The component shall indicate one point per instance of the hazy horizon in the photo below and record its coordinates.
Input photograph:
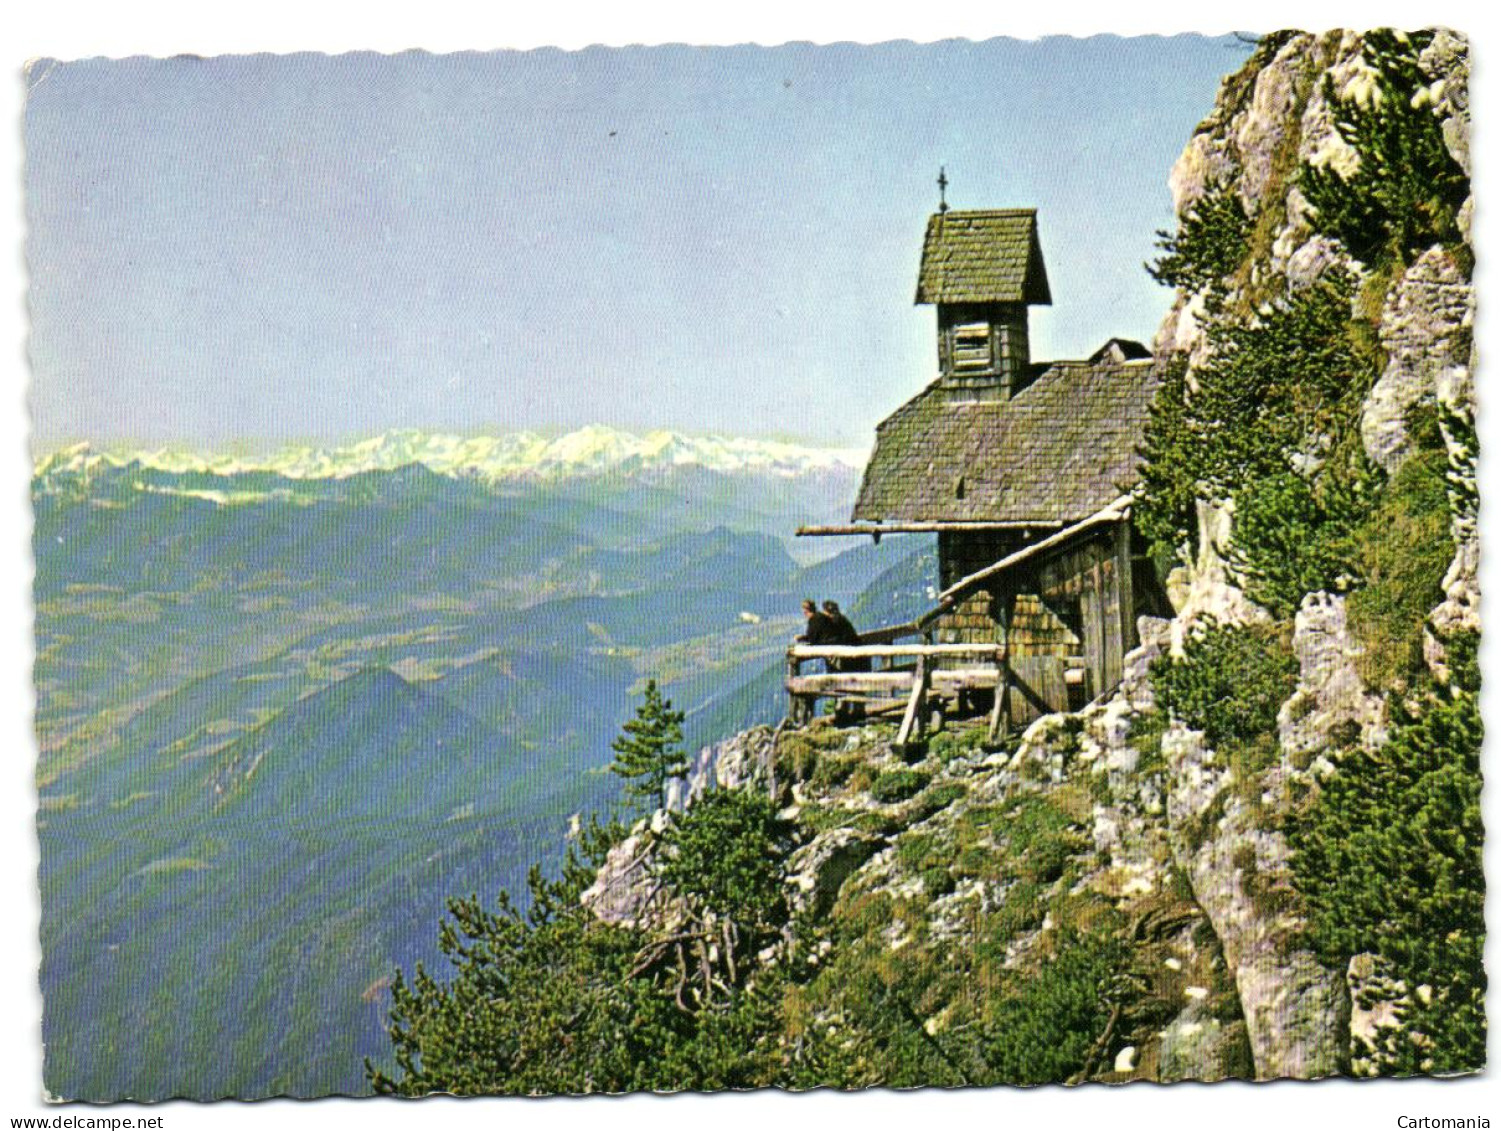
(243, 447)
(250, 251)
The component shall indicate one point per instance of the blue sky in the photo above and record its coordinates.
(242, 251)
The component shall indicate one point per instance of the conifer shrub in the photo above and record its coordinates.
(1389, 863)
(1210, 242)
(1295, 535)
(1166, 507)
(1403, 548)
(726, 854)
(1230, 682)
(1040, 1029)
(1407, 190)
(649, 750)
(1271, 423)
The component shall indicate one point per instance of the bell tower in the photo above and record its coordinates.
(983, 270)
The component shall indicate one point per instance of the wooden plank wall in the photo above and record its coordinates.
(1089, 587)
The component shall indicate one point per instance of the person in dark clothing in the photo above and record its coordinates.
(819, 629)
(843, 632)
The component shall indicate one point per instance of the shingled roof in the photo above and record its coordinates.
(990, 256)
(1057, 451)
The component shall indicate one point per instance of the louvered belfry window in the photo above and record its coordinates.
(972, 348)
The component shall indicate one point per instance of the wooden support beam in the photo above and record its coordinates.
(1117, 511)
(873, 651)
(1000, 711)
(851, 683)
(797, 707)
(912, 719)
(875, 531)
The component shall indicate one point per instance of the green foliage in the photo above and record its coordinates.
(1166, 509)
(1277, 389)
(549, 1000)
(1389, 862)
(725, 855)
(1463, 446)
(1406, 193)
(1209, 245)
(961, 742)
(805, 754)
(1270, 422)
(648, 752)
(1462, 653)
(898, 785)
(1043, 1029)
(832, 772)
(1403, 547)
(529, 1005)
(914, 849)
(1040, 838)
(1145, 737)
(1230, 682)
(933, 800)
(1296, 535)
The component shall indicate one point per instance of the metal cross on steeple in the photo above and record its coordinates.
(943, 184)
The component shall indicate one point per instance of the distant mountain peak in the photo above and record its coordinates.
(595, 449)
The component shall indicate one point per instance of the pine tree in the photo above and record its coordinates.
(648, 752)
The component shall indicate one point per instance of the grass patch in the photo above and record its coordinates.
(832, 772)
(1404, 548)
(935, 800)
(899, 785)
(958, 742)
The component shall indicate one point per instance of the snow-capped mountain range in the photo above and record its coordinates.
(592, 450)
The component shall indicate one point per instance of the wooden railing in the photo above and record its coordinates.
(921, 680)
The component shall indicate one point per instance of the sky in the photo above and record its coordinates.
(243, 251)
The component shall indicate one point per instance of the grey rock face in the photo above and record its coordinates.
(1211, 593)
(1460, 609)
(623, 886)
(740, 760)
(1380, 1002)
(818, 869)
(1331, 705)
(1297, 1014)
(1426, 330)
(1203, 1048)
(1449, 55)
(1297, 1011)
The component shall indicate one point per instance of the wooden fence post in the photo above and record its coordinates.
(794, 701)
(912, 719)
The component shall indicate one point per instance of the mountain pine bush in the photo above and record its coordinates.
(1389, 863)
(1210, 242)
(1406, 193)
(1230, 682)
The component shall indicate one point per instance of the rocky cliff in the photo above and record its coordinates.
(1152, 888)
